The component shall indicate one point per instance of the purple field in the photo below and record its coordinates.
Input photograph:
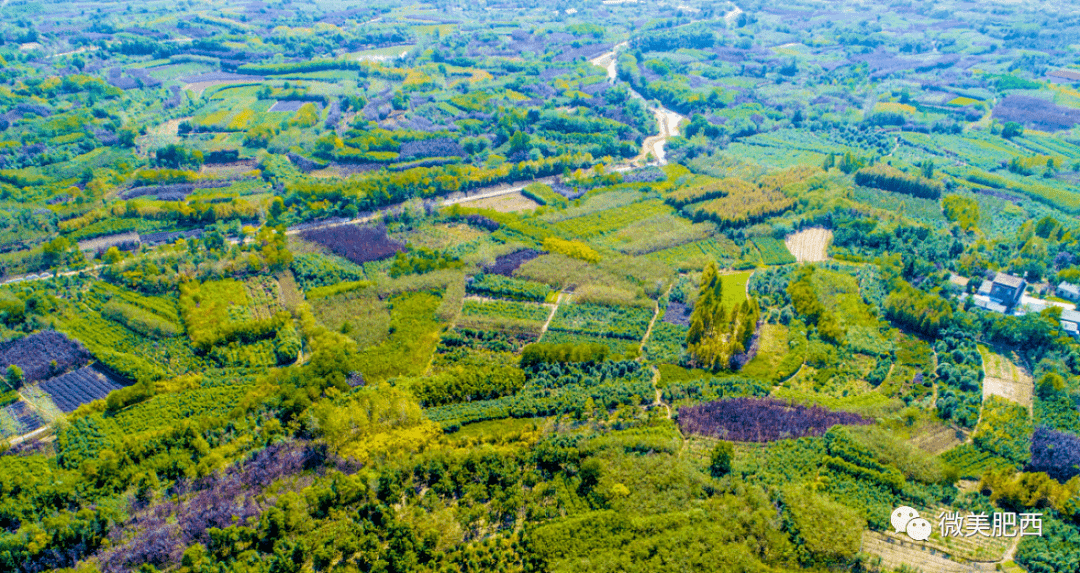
(507, 264)
(677, 313)
(292, 105)
(1036, 113)
(36, 353)
(761, 419)
(358, 244)
(79, 387)
(1056, 453)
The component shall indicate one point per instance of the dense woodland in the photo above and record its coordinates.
(306, 286)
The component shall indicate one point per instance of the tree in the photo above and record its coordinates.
(326, 145)
(277, 207)
(126, 136)
(15, 377)
(715, 336)
(720, 460)
(961, 210)
(927, 168)
(56, 251)
(1011, 130)
(176, 156)
(519, 142)
(259, 135)
(850, 164)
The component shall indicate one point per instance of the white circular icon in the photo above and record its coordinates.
(919, 529)
(901, 516)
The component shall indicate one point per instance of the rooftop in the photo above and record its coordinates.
(1008, 280)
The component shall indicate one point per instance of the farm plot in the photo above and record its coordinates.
(80, 387)
(657, 233)
(506, 264)
(610, 220)
(773, 347)
(43, 355)
(508, 203)
(503, 315)
(234, 321)
(357, 244)
(666, 342)
(617, 347)
(498, 286)
(695, 255)
(809, 245)
(772, 251)
(19, 418)
(898, 551)
(1006, 379)
(600, 320)
(760, 419)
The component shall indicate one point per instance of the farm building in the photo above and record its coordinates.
(1000, 294)
(1068, 291)
(1070, 322)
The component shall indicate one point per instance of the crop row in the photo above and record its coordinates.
(610, 220)
(21, 419)
(358, 244)
(506, 309)
(606, 321)
(773, 251)
(573, 399)
(80, 387)
(499, 286)
(760, 419)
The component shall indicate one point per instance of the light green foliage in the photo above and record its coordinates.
(828, 533)
(503, 315)
(961, 210)
(498, 286)
(413, 331)
(607, 321)
(1004, 430)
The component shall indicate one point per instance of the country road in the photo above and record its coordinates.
(667, 121)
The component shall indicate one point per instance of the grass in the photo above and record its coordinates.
(735, 288)
(670, 373)
(772, 347)
(870, 404)
(367, 316)
(412, 335)
(207, 305)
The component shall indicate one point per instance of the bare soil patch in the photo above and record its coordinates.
(508, 203)
(809, 245)
(1006, 379)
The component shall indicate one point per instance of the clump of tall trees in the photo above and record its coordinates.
(718, 334)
